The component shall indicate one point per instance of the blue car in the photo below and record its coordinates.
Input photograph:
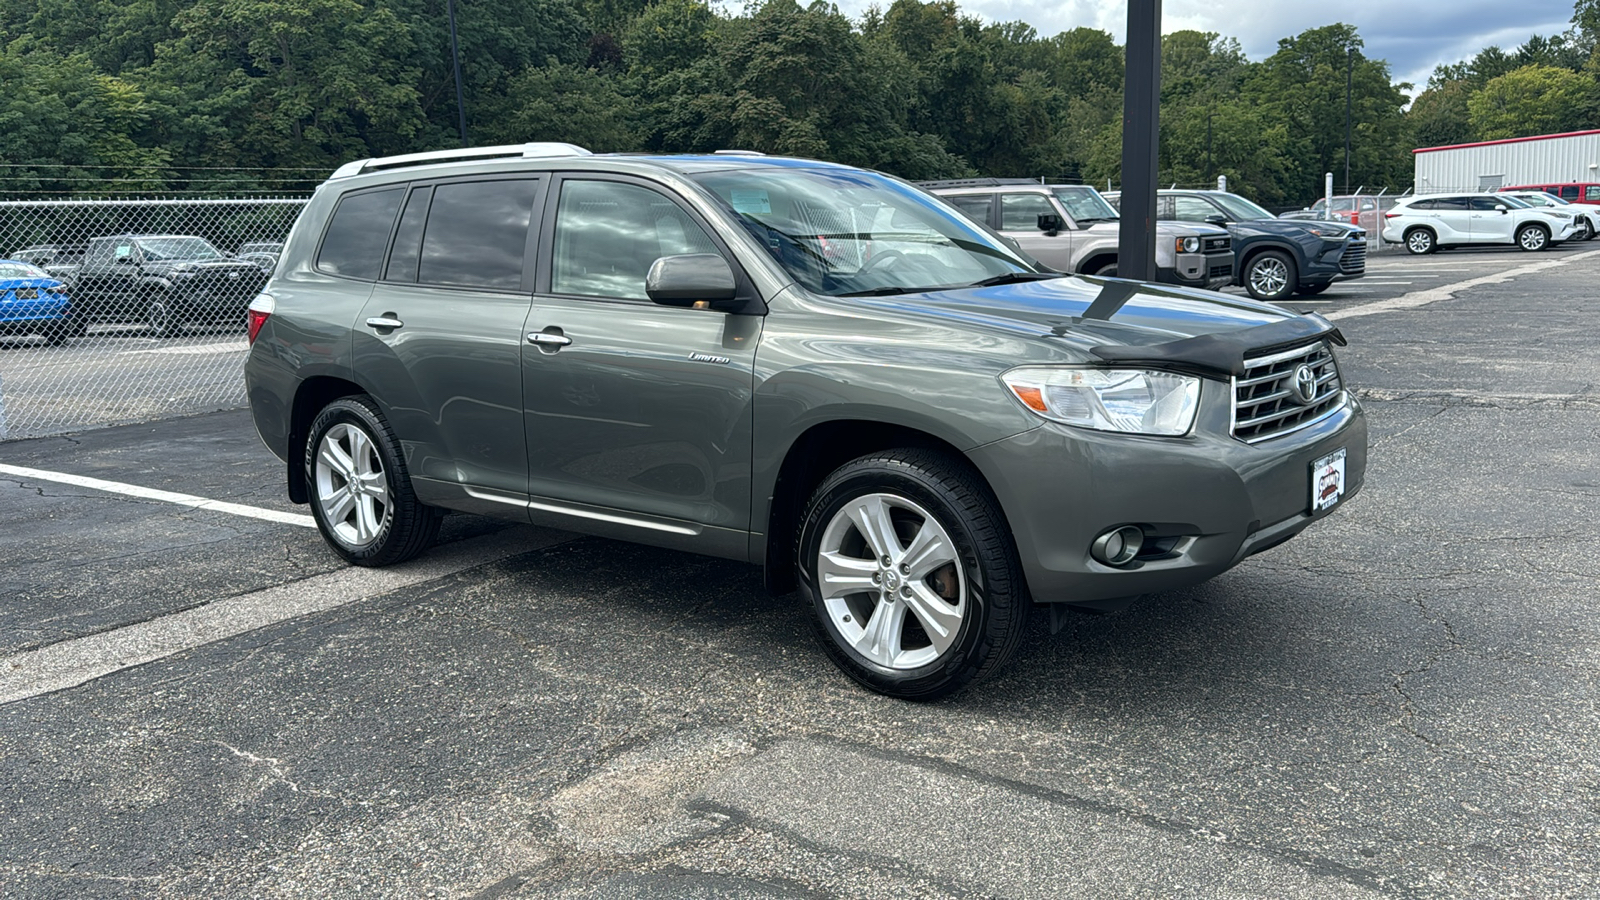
(31, 302)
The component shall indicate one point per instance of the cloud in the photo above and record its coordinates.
(1413, 38)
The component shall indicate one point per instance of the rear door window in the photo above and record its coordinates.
(1568, 192)
(477, 234)
(358, 234)
(976, 206)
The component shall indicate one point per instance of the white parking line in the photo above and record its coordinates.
(74, 662)
(1448, 291)
(144, 493)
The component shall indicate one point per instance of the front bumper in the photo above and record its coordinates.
(1202, 270)
(1216, 499)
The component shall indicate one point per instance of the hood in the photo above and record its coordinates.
(201, 265)
(13, 284)
(1114, 319)
(1291, 228)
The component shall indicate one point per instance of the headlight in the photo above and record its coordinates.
(1188, 245)
(1134, 401)
(1330, 233)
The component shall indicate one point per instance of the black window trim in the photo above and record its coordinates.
(745, 288)
(316, 258)
(535, 215)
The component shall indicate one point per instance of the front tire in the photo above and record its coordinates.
(158, 317)
(1532, 238)
(1271, 276)
(1109, 270)
(911, 575)
(1420, 241)
(361, 494)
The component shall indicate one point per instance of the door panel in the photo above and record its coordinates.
(445, 355)
(1489, 225)
(629, 405)
(1019, 220)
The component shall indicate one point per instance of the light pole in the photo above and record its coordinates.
(455, 62)
(1349, 71)
(1141, 128)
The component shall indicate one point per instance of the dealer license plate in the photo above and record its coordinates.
(1327, 481)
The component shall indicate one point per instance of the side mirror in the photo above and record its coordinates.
(1216, 219)
(1049, 223)
(1500, 207)
(692, 279)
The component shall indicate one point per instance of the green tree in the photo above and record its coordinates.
(1532, 100)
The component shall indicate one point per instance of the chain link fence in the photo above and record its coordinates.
(115, 311)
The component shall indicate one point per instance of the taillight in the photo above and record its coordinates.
(1391, 214)
(260, 309)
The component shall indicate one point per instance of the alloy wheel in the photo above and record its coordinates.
(352, 489)
(1268, 276)
(891, 582)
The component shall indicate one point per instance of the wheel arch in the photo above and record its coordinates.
(1250, 253)
(1094, 262)
(309, 399)
(810, 458)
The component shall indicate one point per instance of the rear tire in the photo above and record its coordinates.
(910, 573)
(360, 491)
(1421, 241)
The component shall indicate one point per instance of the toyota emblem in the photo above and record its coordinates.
(1305, 384)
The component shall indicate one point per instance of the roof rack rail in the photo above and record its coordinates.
(978, 182)
(505, 151)
(737, 153)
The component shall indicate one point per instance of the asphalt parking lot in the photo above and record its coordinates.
(197, 700)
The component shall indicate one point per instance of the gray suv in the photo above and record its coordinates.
(810, 367)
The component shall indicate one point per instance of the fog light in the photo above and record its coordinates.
(1118, 546)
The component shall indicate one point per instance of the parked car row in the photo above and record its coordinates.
(1433, 222)
(164, 281)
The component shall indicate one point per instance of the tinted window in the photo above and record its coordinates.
(609, 234)
(1487, 204)
(408, 238)
(1450, 203)
(1568, 192)
(1021, 212)
(976, 207)
(476, 234)
(358, 234)
(1423, 204)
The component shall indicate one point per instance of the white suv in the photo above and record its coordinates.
(1586, 216)
(1424, 224)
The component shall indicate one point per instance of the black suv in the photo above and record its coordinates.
(1276, 257)
(166, 281)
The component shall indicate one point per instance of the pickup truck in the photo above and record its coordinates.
(1071, 228)
(165, 281)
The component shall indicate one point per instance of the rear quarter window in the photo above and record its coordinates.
(358, 234)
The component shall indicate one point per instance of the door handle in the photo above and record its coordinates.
(385, 321)
(549, 339)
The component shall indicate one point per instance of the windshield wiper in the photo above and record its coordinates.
(891, 291)
(1015, 278)
(1097, 219)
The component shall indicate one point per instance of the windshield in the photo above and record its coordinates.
(1084, 204)
(1539, 199)
(845, 231)
(20, 270)
(178, 248)
(1239, 209)
(1516, 202)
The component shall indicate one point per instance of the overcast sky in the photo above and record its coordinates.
(1413, 37)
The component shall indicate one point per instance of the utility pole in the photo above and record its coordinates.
(1349, 71)
(455, 62)
(1141, 132)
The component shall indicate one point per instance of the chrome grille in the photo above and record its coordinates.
(1265, 404)
(1354, 260)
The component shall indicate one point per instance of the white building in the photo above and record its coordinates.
(1484, 166)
